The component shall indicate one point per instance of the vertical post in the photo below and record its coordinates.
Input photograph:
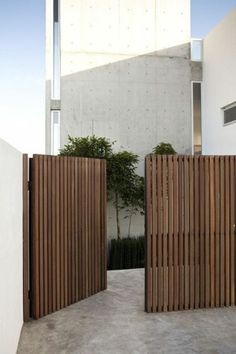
(26, 302)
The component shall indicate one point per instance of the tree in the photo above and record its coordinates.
(122, 171)
(90, 146)
(124, 186)
(135, 200)
(164, 149)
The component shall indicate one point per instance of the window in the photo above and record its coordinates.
(196, 50)
(230, 114)
(197, 117)
(56, 52)
(55, 132)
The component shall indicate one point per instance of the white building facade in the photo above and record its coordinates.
(219, 89)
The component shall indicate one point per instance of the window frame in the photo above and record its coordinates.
(225, 108)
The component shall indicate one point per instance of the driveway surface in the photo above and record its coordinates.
(114, 322)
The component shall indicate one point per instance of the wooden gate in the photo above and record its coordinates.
(68, 231)
(190, 232)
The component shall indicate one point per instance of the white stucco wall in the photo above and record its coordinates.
(219, 87)
(11, 266)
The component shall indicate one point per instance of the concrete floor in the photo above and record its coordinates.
(114, 322)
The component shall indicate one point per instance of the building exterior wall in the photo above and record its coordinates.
(11, 258)
(125, 72)
(219, 87)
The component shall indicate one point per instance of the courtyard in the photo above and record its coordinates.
(114, 322)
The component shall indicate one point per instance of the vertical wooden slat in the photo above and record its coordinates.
(170, 232)
(160, 233)
(35, 239)
(104, 213)
(26, 286)
(62, 244)
(217, 233)
(176, 234)
(154, 235)
(196, 234)
(207, 239)
(76, 231)
(232, 231)
(41, 237)
(186, 232)
(222, 233)
(202, 233)
(227, 233)
(54, 271)
(181, 230)
(45, 233)
(57, 239)
(65, 192)
(73, 230)
(49, 237)
(212, 231)
(165, 225)
(191, 233)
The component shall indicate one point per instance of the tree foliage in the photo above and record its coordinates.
(164, 149)
(125, 187)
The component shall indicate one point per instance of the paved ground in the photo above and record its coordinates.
(114, 322)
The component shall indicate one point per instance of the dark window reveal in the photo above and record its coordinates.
(55, 10)
(230, 115)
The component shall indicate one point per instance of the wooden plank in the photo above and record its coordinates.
(97, 231)
(202, 231)
(160, 233)
(196, 234)
(80, 210)
(41, 237)
(227, 233)
(165, 224)
(186, 233)
(57, 236)
(62, 244)
(207, 232)
(176, 234)
(170, 233)
(232, 230)
(49, 244)
(45, 233)
(217, 233)
(154, 234)
(54, 271)
(35, 239)
(181, 230)
(76, 231)
(26, 285)
(73, 230)
(191, 233)
(212, 230)
(222, 233)
(105, 221)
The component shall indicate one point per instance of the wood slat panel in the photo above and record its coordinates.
(190, 203)
(68, 231)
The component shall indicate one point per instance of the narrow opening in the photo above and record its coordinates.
(55, 132)
(196, 50)
(56, 52)
(197, 118)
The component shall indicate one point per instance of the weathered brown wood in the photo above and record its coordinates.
(190, 203)
(68, 231)
(26, 285)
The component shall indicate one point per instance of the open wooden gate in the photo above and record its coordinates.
(67, 231)
(190, 232)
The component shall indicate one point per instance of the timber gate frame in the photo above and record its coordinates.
(64, 245)
(190, 232)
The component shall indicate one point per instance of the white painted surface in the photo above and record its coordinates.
(11, 261)
(219, 87)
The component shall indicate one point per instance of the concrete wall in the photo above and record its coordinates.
(219, 87)
(11, 261)
(125, 75)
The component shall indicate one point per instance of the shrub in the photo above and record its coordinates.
(164, 149)
(126, 253)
